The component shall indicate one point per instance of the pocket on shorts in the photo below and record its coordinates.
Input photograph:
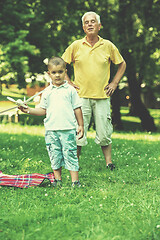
(109, 124)
(47, 136)
(48, 142)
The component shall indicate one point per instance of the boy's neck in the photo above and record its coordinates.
(58, 85)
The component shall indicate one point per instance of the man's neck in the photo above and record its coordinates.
(92, 40)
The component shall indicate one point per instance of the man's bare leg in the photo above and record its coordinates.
(75, 179)
(78, 151)
(74, 176)
(107, 153)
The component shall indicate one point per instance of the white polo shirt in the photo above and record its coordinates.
(60, 103)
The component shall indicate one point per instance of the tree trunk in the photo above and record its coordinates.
(127, 36)
(138, 107)
(0, 87)
(116, 115)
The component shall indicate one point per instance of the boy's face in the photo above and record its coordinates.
(57, 74)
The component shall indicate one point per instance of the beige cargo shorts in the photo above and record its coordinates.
(102, 118)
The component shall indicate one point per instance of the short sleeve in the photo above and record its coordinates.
(76, 101)
(43, 102)
(115, 55)
(68, 54)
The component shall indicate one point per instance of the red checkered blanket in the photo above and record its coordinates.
(25, 181)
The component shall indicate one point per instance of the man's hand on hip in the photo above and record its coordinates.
(110, 88)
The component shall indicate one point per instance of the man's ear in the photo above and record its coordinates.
(83, 28)
(100, 25)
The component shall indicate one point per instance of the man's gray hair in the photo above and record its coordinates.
(89, 13)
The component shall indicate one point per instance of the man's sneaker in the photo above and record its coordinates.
(57, 183)
(111, 166)
(76, 184)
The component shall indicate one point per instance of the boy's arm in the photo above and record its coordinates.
(33, 111)
(79, 118)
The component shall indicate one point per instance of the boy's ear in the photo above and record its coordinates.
(48, 73)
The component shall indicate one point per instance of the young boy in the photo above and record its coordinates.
(61, 105)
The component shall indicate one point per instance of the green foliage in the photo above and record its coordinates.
(35, 30)
(123, 204)
(14, 45)
(139, 34)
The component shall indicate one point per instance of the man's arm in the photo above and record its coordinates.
(70, 82)
(111, 87)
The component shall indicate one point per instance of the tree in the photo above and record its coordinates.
(136, 53)
(13, 33)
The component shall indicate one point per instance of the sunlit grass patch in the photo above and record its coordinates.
(131, 119)
(11, 128)
(13, 91)
(131, 135)
(155, 113)
(137, 136)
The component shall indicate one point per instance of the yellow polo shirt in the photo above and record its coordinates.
(92, 65)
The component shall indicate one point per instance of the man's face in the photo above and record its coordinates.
(57, 74)
(90, 25)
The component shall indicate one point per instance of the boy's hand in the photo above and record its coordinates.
(24, 109)
(19, 102)
(80, 132)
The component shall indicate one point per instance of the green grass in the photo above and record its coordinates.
(123, 204)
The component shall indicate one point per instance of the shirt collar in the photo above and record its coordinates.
(100, 41)
(65, 85)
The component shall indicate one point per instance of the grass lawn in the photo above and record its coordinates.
(118, 205)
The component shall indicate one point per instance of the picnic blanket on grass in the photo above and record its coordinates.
(26, 180)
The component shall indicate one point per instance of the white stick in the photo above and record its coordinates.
(8, 109)
(28, 100)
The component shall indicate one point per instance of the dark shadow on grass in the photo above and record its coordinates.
(131, 126)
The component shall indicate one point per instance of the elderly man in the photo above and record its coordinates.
(91, 57)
